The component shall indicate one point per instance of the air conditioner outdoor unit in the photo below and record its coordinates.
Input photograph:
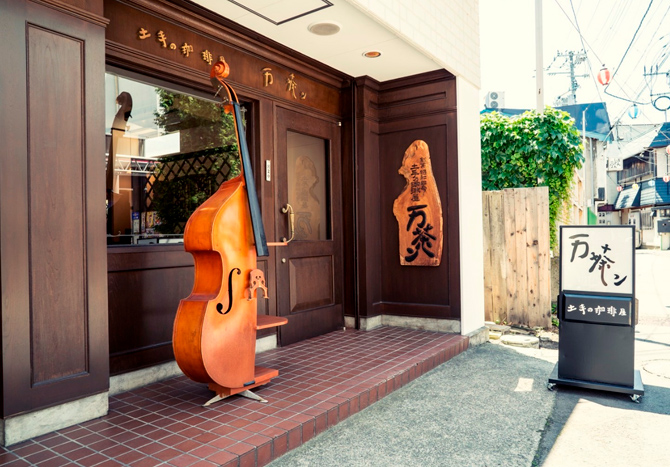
(495, 100)
(600, 195)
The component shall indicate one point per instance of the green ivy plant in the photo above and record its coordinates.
(530, 150)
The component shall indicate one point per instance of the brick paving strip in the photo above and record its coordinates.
(321, 382)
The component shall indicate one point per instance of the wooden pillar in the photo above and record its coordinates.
(52, 247)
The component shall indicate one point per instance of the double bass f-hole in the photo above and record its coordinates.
(219, 306)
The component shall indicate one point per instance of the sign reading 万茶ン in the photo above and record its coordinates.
(596, 308)
(597, 260)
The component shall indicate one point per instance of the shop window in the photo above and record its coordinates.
(167, 152)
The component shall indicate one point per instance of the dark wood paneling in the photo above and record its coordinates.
(368, 187)
(311, 282)
(408, 284)
(147, 257)
(86, 10)
(56, 192)
(390, 116)
(309, 273)
(349, 209)
(263, 150)
(93, 6)
(142, 307)
(52, 245)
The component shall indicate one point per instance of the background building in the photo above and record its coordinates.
(641, 166)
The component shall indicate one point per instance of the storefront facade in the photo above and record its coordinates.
(91, 223)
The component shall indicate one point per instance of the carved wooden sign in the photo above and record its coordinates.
(418, 210)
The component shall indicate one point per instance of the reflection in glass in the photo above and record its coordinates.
(167, 153)
(307, 160)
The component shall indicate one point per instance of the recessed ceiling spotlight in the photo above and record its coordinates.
(324, 28)
(372, 54)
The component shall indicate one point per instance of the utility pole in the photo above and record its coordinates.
(571, 60)
(539, 66)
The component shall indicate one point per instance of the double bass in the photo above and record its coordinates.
(214, 334)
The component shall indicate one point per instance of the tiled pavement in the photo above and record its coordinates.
(321, 382)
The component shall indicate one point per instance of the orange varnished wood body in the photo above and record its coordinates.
(214, 334)
(210, 346)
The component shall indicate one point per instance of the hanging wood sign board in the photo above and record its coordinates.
(418, 210)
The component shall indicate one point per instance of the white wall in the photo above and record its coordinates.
(470, 207)
(446, 31)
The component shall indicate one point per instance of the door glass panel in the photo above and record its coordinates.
(308, 190)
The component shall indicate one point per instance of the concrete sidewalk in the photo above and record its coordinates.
(485, 407)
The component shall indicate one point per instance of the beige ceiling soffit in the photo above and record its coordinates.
(320, 5)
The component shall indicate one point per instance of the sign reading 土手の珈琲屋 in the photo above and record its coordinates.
(597, 259)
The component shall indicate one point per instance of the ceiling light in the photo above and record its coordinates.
(324, 28)
(372, 54)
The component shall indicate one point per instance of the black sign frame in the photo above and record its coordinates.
(597, 324)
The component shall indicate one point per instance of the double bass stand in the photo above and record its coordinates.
(261, 375)
(221, 393)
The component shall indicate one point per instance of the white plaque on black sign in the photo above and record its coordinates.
(598, 259)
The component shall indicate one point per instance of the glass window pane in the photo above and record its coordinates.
(308, 186)
(167, 152)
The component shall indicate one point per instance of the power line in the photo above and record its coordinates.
(626, 53)
(575, 25)
(576, 28)
(588, 60)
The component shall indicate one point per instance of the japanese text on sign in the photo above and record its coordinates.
(597, 259)
(598, 309)
(418, 210)
(188, 50)
(185, 49)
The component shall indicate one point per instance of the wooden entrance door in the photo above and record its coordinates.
(309, 269)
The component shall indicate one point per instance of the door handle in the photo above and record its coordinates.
(288, 209)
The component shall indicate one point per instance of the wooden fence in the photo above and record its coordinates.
(516, 256)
